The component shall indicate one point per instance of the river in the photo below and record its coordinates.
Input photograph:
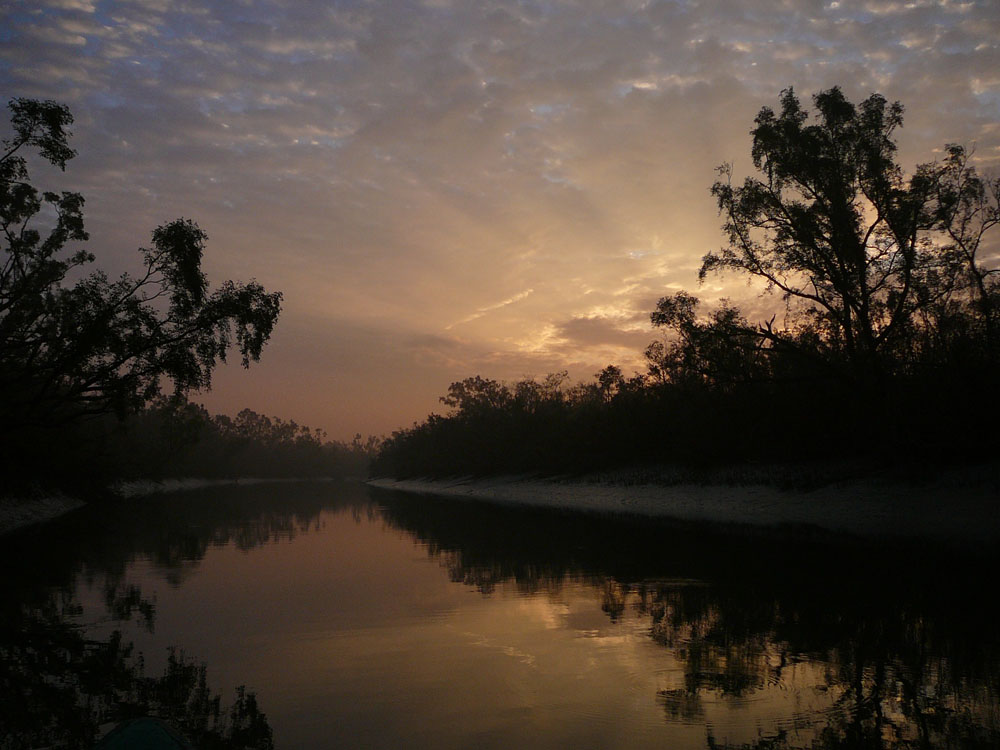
(360, 617)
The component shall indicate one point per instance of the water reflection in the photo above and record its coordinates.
(888, 644)
(175, 532)
(60, 683)
(774, 639)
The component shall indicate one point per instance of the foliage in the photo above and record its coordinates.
(721, 350)
(74, 345)
(851, 244)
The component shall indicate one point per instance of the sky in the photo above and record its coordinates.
(448, 188)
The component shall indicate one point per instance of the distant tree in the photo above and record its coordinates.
(721, 350)
(477, 395)
(610, 380)
(532, 396)
(365, 446)
(68, 348)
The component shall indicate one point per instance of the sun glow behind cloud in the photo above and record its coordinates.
(442, 189)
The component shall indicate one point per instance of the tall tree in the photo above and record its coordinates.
(97, 345)
(831, 224)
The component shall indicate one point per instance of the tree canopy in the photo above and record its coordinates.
(74, 344)
(873, 266)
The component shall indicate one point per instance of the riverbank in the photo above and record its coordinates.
(16, 512)
(957, 505)
(143, 487)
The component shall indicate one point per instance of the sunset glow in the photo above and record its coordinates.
(443, 188)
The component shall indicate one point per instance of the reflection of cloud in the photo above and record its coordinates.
(404, 164)
(477, 639)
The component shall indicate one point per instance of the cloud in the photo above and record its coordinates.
(579, 333)
(52, 35)
(84, 6)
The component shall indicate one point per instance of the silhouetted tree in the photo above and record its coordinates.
(964, 207)
(610, 381)
(477, 395)
(721, 350)
(97, 345)
(834, 226)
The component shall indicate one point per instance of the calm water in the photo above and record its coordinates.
(362, 618)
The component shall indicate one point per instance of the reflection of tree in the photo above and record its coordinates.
(682, 704)
(59, 686)
(906, 642)
(173, 531)
(905, 676)
(726, 649)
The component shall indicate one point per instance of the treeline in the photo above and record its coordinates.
(616, 422)
(176, 438)
(884, 348)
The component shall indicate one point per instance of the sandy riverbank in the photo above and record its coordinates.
(953, 507)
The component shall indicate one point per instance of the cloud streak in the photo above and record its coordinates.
(490, 308)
